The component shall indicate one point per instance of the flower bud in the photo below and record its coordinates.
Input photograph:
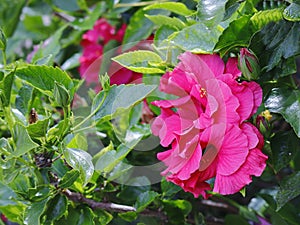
(263, 122)
(248, 64)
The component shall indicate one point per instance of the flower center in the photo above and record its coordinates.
(202, 92)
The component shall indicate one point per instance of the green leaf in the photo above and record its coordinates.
(165, 20)
(7, 195)
(104, 217)
(128, 216)
(177, 210)
(175, 7)
(106, 104)
(88, 22)
(238, 33)
(48, 49)
(61, 95)
(44, 78)
(145, 199)
(284, 146)
(196, 38)
(81, 161)
(139, 61)
(22, 140)
(23, 99)
(262, 18)
(211, 12)
(69, 178)
(79, 141)
(86, 217)
(2, 40)
(287, 103)
(56, 207)
(275, 42)
(34, 212)
(168, 188)
(289, 189)
(6, 87)
(292, 12)
(10, 11)
(139, 28)
(38, 129)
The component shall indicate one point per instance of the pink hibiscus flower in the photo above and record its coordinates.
(93, 42)
(206, 126)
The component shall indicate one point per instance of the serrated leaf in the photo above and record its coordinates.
(7, 195)
(287, 103)
(56, 208)
(292, 12)
(10, 11)
(211, 12)
(38, 129)
(69, 178)
(238, 33)
(284, 146)
(106, 104)
(139, 61)
(81, 161)
(165, 20)
(128, 216)
(196, 38)
(44, 78)
(175, 7)
(79, 141)
(276, 42)
(144, 199)
(289, 189)
(34, 212)
(262, 18)
(168, 188)
(61, 95)
(23, 141)
(23, 99)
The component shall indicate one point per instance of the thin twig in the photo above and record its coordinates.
(79, 198)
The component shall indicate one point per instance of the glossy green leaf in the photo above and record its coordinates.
(128, 216)
(238, 33)
(23, 141)
(44, 78)
(292, 12)
(144, 199)
(23, 99)
(10, 11)
(6, 87)
(79, 141)
(34, 212)
(284, 146)
(38, 129)
(86, 217)
(2, 40)
(56, 208)
(105, 105)
(289, 189)
(139, 28)
(275, 42)
(161, 20)
(211, 12)
(81, 161)
(69, 178)
(175, 7)
(287, 103)
(177, 210)
(197, 38)
(168, 188)
(140, 61)
(104, 217)
(7, 195)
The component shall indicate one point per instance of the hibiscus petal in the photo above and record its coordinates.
(232, 67)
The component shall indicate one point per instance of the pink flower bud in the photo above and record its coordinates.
(248, 64)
